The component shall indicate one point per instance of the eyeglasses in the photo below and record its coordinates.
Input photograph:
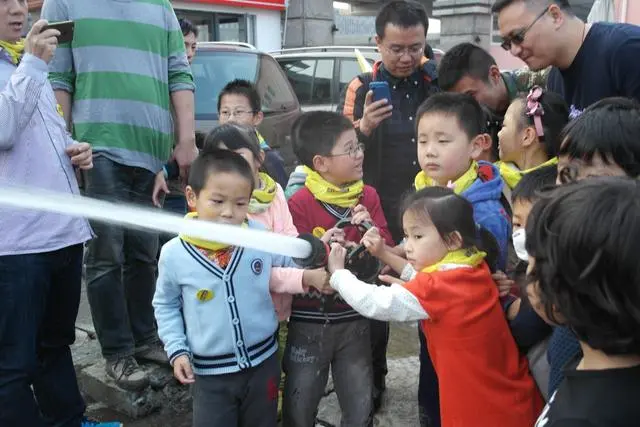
(237, 113)
(399, 51)
(518, 37)
(353, 151)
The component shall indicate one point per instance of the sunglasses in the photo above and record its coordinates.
(518, 37)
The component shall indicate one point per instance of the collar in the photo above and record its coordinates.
(469, 257)
(346, 196)
(201, 243)
(459, 186)
(12, 52)
(511, 175)
(510, 82)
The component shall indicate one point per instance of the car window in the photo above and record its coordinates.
(273, 87)
(322, 82)
(349, 68)
(300, 75)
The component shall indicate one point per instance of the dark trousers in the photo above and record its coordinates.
(121, 263)
(39, 298)
(174, 204)
(243, 399)
(428, 394)
(379, 341)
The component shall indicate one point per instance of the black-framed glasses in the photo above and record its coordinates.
(353, 151)
(519, 36)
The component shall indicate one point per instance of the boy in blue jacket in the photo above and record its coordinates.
(213, 307)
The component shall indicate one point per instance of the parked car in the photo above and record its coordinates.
(218, 63)
(319, 74)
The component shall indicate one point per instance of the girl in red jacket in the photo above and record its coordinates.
(483, 380)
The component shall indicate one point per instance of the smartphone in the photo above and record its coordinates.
(380, 91)
(66, 30)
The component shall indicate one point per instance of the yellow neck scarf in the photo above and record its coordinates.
(344, 197)
(262, 197)
(469, 256)
(205, 244)
(14, 50)
(512, 175)
(460, 185)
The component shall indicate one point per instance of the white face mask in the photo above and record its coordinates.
(519, 238)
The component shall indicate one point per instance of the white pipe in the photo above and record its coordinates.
(624, 11)
(137, 217)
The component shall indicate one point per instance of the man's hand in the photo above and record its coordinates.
(503, 283)
(374, 242)
(159, 186)
(374, 113)
(40, 43)
(80, 154)
(336, 258)
(182, 370)
(185, 153)
(360, 215)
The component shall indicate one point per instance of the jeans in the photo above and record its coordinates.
(121, 265)
(39, 298)
(379, 342)
(173, 204)
(312, 350)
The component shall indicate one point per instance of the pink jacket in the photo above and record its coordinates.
(284, 281)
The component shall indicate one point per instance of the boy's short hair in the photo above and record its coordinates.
(464, 59)
(534, 183)
(584, 240)
(465, 108)
(315, 134)
(187, 27)
(217, 161)
(608, 128)
(244, 88)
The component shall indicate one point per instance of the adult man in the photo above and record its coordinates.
(591, 61)
(387, 127)
(116, 82)
(40, 253)
(468, 68)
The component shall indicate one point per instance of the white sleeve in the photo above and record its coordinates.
(378, 302)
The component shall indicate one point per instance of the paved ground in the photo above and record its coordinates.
(399, 408)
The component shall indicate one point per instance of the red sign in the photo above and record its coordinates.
(257, 4)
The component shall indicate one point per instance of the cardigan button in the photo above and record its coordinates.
(235, 321)
(240, 343)
(231, 299)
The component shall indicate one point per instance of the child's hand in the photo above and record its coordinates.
(360, 215)
(182, 370)
(374, 242)
(160, 185)
(318, 279)
(503, 282)
(333, 235)
(336, 258)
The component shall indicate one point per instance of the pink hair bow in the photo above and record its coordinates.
(535, 110)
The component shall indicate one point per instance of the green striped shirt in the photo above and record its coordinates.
(126, 57)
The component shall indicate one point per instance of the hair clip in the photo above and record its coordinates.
(535, 110)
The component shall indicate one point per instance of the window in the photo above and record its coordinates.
(311, 79)
(273, 88)
(322, 82)
(221, 26)
(349, 68)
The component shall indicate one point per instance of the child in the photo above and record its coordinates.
(450, 135)
(212, 304)
(529, 135)
(529, 330)
(324, 331)
(602, 141)
(583, 246)
(483, 380)
(269, 207)
(238, 102)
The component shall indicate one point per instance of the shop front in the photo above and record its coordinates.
(258, 22)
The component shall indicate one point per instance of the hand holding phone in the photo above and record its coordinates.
(41, 42)
(65, 28)
(377, 107)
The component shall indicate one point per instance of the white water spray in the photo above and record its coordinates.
(131, 216)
